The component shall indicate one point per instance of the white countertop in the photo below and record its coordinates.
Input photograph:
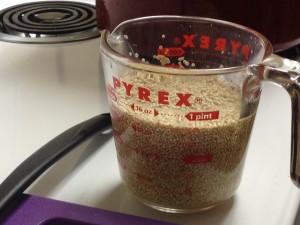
(42, 99)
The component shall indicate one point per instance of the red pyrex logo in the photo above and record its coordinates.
(206, 42)
(161, 97)
(144, 94)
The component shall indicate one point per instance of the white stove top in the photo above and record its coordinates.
(44, 90)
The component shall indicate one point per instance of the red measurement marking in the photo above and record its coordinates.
(115, 114)
(170, 52)
(143, 177)
(139, 129)
(132, 106)
(143, 110)
(198, 116)
(136, 108)
(118, 138)
(146, 154)
(111, 92)
(198, 159)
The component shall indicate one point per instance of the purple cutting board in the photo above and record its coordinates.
(42, 211)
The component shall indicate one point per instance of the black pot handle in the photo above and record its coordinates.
(12, 188)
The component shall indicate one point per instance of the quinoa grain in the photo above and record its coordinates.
(169, 162)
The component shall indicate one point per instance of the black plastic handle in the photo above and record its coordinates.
(12, 188)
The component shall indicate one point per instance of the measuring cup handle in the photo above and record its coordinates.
(286, 73)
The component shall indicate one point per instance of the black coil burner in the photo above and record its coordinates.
(48, 22)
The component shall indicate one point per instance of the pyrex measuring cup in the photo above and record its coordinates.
(183, 94)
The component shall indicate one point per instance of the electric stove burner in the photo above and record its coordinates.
(48, 22)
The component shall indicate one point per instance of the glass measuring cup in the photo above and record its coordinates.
(183, 94)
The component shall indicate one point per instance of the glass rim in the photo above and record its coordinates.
(107, 50)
